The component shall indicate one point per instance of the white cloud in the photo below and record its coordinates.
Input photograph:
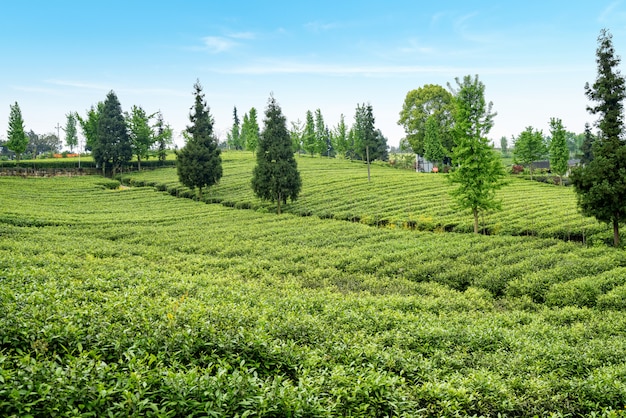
(242, 35)
(217, 44)
(608, 12)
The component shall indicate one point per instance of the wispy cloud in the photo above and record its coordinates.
(608, 11)
(217, 44)
(321, 26)
(415, 47)
(34, 89)
(242, 35)
(80, 85)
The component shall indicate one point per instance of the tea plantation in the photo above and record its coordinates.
(130, 302)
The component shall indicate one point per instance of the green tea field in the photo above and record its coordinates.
(132, 302)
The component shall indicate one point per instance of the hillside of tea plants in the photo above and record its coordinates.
(129, 302)
(336, 188)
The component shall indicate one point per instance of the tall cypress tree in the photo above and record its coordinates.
(199, 163)
(17, 141)
(112, 145)
(275, 176)
(601, 184)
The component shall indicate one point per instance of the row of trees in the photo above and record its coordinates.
(199, 163)
(314, 137)
(113, 137)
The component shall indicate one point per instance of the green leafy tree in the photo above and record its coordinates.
(71, 133)
(112, 147)
(340, 136)
(479, 172)
(163, 136)
(42, 143)
(17, 140)
(433, 149)
(559, 153)
(321, 137)
(251, 129)
(601, 184)
(529, 147)
(296, 135)
(199, 163)
(433, 101)
(308, 136)
(140, 132)
(365, 136)
(89, 125)
(233, 138)
(504, 146)
(275, 176)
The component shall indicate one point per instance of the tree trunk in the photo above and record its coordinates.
(139, 163)
(615, 232)
(367, 154)
(475, 220)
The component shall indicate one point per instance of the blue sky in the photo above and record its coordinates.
(534, 57)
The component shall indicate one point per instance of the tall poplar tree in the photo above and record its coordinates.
(275, 176)
(199, 163)
(71, 134)
(601, 184)
(479, 170)
(17, 141)
(112, 146)
(559, 153)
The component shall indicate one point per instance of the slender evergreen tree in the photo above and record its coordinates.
(601, 184)
(234, 136)
(199, 163)
(17, 141)
(479, 170)
(275, 176)
(112, 147)
(586, 149)
(252, 131)
(308, 136)
(559, 153)
(163, 136)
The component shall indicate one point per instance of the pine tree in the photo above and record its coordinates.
(586, 149)
(479, 171)
(275, 176)
(559, 153)
(234, 136)
(17, 141)
(199, 163)
(112, 145)
(308, 136)
(601, 184)
(320, 134)
(163, 137)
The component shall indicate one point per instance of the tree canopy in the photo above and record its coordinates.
(199, 163)
(275, 176)
(112, 147)
(600, 184)
(559, 153)
(16, 136)
(530, 146)
(71, 134)
(479, 170)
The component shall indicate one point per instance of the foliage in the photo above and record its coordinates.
(275, 176)
(89, 125)
(296, 135)
(16, 137)
(601, 183)
(112, 147)
(42, 143)
(141, 135)
(199, 163)
(479, 171)
(308, 136)
(433, 148)
(163, 137)
(322, 136)
(367, 139)
(529, 147)
(504, 146)
(234, 137)
(586, 148)
(340, 136)
(559, 154)
(430, 100)
(71, 134)
(114, 304)
(250, 130)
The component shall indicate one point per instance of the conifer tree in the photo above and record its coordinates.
(252, 131)
(234, 136)
(17, 141)
(275, 176)
(199, 163)
(163, 136)
(479, 169)
(601, 184)
(308, 136)
(112, 145)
